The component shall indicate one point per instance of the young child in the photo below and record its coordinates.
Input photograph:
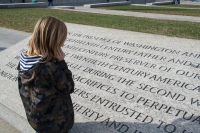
(45, 82)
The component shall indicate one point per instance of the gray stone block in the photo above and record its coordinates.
(80, 2)
(163, 3)
(107, 4)
(7, 128)
(24, 5)
(63, 2)
(138, 1)
(9, 37)
(62, 7)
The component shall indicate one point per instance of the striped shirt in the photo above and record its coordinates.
(26, 62)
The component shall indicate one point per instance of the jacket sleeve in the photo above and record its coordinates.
(62, 78)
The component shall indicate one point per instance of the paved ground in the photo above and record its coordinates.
(10, 37)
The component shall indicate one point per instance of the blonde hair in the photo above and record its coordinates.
(48, 37)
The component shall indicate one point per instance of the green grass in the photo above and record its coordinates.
(182, 6)
(25, 19)
(157, 9)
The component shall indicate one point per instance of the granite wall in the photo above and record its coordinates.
(79, 2)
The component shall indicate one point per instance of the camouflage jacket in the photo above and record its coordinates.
(45, 92)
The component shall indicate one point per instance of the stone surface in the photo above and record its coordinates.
(7, 128)
(163, 3)
(141, 1)
(9, 37)
(62, 7)
(137, 1)
(65, 2)
(24, 5)
(108, 4)
(81, 2)
(126, 82)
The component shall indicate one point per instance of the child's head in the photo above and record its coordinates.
(49, 35)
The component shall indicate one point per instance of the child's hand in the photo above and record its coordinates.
(60, 55)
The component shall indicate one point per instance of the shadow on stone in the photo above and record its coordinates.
(2, 48)
(179, 125)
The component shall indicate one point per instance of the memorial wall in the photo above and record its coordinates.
(125, 82)
(79, 2)
(64, 2)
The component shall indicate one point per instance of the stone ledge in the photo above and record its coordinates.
(5, 127)
(62, 7)
(163, 3)
(14, 119)
(108, 4)
(24, 5)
